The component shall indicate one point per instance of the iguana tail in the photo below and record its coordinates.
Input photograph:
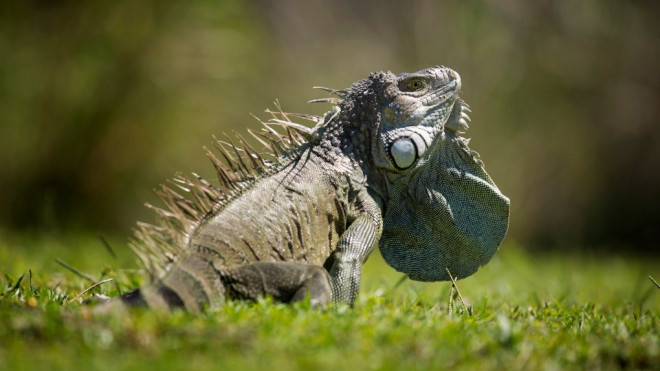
(192, 284)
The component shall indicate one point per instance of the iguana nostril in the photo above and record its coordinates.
(403, 152)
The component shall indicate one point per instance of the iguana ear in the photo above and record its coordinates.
(449, 215)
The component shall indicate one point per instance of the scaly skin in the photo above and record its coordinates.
(386, 167)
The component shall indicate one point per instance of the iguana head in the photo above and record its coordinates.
(414, 109)
(389, 122)
(443, 214)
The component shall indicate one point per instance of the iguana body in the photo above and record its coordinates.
(385, 167)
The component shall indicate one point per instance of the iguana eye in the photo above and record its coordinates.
(414, 85)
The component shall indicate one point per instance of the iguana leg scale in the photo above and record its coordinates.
(353, 248)
(285, 282)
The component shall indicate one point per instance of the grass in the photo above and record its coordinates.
(521, 311)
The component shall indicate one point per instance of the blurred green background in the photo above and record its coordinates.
(100, 101)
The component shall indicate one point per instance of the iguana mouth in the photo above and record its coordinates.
(453, 85)
(447, 91)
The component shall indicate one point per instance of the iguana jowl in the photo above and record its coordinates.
(386, 166)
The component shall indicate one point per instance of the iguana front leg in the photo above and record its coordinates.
(353, 248)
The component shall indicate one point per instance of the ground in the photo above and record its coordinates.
(522, 311)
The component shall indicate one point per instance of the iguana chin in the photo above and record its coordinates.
(386, 166)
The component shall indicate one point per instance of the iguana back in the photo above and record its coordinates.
(302, 218)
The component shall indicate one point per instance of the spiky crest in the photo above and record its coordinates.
(190, 199)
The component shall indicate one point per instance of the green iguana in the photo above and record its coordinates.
(386, 166)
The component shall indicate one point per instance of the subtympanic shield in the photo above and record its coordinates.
(448, 215)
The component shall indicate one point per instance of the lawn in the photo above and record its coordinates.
(521, 311)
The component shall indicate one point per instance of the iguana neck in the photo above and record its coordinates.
(346, 138)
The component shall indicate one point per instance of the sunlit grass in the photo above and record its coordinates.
(519, 312)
